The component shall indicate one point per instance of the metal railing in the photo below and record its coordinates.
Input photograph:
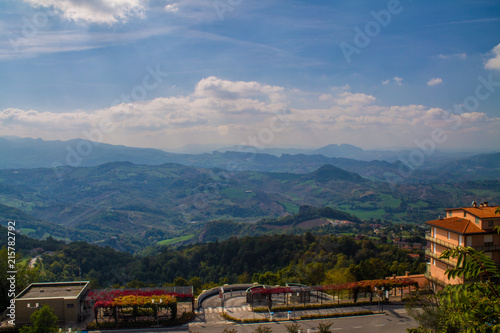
(450, 245)
(440, 242)
(436, 256)
(487, 248)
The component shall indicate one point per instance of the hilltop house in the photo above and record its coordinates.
(467, 226)
(64, 298)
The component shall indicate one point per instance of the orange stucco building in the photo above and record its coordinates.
(467, 226)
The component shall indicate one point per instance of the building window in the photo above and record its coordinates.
(488, 240)
(477, 220)
(434, 235)
(70, 305)
(449, 213)
(490, 223)
(448, 235)
(433, 262)
(460, 240)
(465, 214)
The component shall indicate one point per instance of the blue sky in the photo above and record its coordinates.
(164, 74)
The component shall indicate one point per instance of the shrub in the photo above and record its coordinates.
(338, 314)
(243, 321)
(325, 327)
(292, 328)
(263, 329)
(317, 306)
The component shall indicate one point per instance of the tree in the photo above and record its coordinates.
(426, 309)
(263, 329)
(42, 321)
(292, 328)
(337, 276)
(325, 327)
(24, 277)
(472, 306)
(180, 281)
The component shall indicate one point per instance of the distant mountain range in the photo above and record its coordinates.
(376, 165)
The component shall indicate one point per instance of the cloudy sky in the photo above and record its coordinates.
(274, 73)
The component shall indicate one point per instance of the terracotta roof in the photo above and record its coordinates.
(457, 224)
(481, 212)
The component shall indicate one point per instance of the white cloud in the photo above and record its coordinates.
(230, 112)
(95, 11)
(325, 97)
(494, 63)
(461, 56)
(172, 7)
(70, 40)
(344, 87)
(347, 98)
(398, 80)
(215, 87)
(434, 81)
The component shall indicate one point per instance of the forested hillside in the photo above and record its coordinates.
(309, 259)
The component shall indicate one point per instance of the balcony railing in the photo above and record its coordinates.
(440, 282)
(488, 248)
(450, 245)
(436, 256)
(440, 242)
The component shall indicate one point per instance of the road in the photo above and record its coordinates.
(394, 320)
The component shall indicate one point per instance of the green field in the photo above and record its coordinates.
(26, 231)
(290, 207)
(172, 241)
(388, 201)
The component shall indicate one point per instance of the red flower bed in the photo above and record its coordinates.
(107, 298)
(363, 285)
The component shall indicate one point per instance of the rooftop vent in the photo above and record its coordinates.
(485, 204)
(41, 290)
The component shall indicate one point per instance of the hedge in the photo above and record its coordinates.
(243, 321)
(338, 314)
(315, 316)
(318, 306)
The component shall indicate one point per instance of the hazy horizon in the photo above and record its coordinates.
(209, 148)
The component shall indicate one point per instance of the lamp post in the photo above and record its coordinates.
(298, 294)
(157, 317)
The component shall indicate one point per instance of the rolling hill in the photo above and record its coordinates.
(375, 165)
(129, 206)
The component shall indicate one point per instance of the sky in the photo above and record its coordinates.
(164, 74)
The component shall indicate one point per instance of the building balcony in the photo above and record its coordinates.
(487, 248)
(440, 282)
(450, 245)
(436, 256)
(440, 242)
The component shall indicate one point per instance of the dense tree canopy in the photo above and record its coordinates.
(276, 259)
